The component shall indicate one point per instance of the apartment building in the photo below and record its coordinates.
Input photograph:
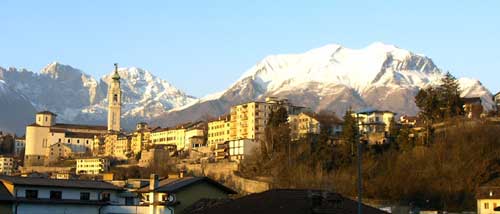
(181, 136)
(6, 165)
(248, 120)
(307, 123)
(218, 131)
(19, 146)
(374, 121)
(140, 138)
(92, 166)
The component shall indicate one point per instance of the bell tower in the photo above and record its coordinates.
(114, 102)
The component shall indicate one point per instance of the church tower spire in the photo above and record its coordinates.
(114, 102)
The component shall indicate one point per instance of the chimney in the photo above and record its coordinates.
(153, 182)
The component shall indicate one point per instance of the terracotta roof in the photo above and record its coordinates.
(291, 201)
(172, 185)
(80, 126)
(44, 182)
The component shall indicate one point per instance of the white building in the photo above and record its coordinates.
(238, 149)
(6, 165)
(53, 196)
(374, 121)
(92, 166)
(19, 146)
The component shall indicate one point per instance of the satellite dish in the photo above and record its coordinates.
(171, 198)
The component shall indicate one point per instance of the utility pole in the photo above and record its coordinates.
(360, 184)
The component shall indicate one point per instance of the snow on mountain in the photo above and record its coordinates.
(80, 98)
(332, 77)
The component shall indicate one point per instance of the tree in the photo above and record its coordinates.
(441, 102)
(350, 131)
(451, 102)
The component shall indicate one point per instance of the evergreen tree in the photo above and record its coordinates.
(350, 131)
(449, 91)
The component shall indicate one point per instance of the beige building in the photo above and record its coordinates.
(249, 120)
(92, 166)
(218, 131)
(181, 136)
(307, 123)
(59, 151)
(117, 145)
(140, 138)
(6, 165)
(46, 132)
(488, 198)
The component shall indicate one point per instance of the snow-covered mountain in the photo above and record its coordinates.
(327, 78)
(80, 98)
(332, 78)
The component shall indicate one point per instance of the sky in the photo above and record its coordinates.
(202, 47)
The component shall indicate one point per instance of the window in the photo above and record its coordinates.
(486, 206)
(105, 196)
(85, 196)
(129, 201)
(55, 195)
(31, 194)
(115, 98)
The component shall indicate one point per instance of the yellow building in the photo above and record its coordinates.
(180, 136)
(218, 131)
(117, 145)
(6, 165)
(488, 198)
(249, 120)
(140, 138)
(92, 166)
(303, 124)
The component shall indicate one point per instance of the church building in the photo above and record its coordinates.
(45, 132)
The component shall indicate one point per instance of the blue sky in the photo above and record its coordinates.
(202, 47)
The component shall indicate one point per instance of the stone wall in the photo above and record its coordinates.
(224, 172)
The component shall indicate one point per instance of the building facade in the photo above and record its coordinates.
(46, 132)
(374, 121)
(181, 136)
(92, 166)
(249, 120)
(218, 131)
(7, 165)
(19, 146)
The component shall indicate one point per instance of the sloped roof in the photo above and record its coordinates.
(290, 201)
(47, 182)
(5, 194)
(172, 185)
(79, 126)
